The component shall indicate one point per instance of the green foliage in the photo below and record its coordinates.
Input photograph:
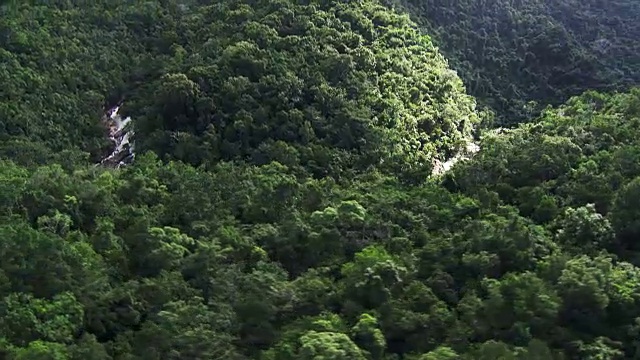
(62, 64)
(517, 57)
(279, 205)
(625, 214)
(441, 353)
(328, 85)
(328, 346)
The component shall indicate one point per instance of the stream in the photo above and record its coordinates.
(120, 134)
(467, 152)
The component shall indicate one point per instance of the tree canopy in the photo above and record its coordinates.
(282, 203)
(517, 57)
(326, 85)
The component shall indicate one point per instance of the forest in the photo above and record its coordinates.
(517, 57)
(286, 198)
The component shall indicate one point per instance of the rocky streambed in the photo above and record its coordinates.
(441, 167)
(120, 133)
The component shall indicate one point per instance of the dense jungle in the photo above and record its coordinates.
(319, 180)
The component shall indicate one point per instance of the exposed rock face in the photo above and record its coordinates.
(120, 135)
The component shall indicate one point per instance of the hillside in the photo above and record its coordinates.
(517, 57)
(326, 87)
(280, 203)
(63, 66)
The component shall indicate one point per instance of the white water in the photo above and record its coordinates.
(470, 149)
(120, 134)
(467, 152)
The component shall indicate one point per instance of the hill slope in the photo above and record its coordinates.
(512, 53)
(328, 86)
(63, 65)
(161, 260)
(267, 214)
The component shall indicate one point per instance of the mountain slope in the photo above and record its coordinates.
(328, 85)
(279, 207)
(63, 65)
(519, 56)
(245, 262)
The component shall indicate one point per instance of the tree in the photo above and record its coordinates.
(625, 214)
(368, 337)
(328, 346)
(25, 319)
(185, 329)
(583, 230)
(441, 353)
